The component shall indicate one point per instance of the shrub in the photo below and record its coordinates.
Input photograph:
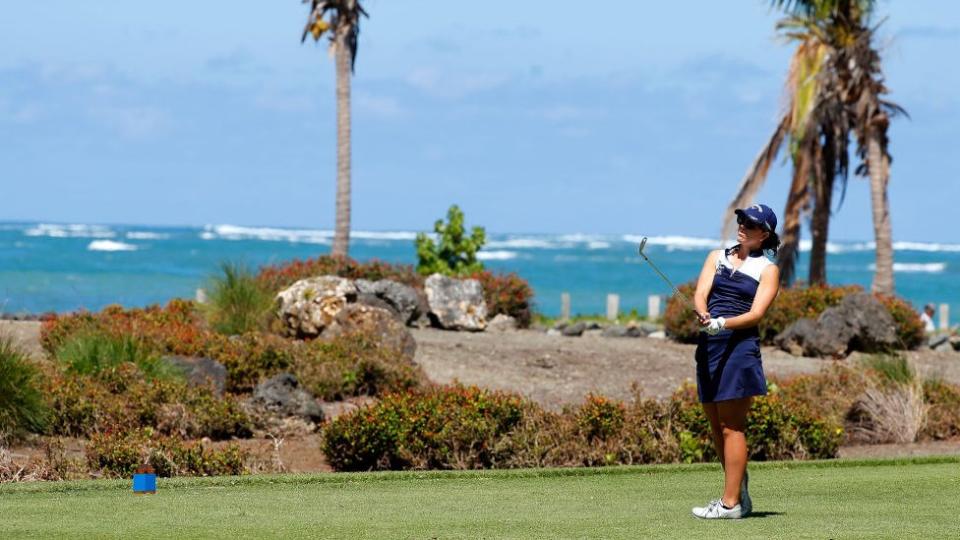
(98, 353)
(22, 408)
(238, 302)
(679, 320)
(910, 329)
(354, 365)
(176, 327)
(508, 294)
(456, 254)
(790, 305)
(828, 394)
(441, 428)
(278, 277)
(943, 414)
(890, 369)
(891, 413)
(119, 454)
(457, 427)
(84, 405)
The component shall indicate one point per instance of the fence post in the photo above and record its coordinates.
(653, 307)
(613, 306)
(201, 296)
(944, 317)
(564, 306)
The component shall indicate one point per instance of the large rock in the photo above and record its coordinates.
(309, 305)
(859, 323)
(502, 323)
(200, 371)
(456, 304)
(575, 329)
(282, 395)
(408, 304)
(373, 321)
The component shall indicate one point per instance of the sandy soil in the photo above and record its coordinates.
(24, 334)
(556, 370)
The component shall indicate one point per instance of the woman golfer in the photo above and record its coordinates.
(735, 288)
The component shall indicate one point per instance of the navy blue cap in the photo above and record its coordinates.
(760, 214)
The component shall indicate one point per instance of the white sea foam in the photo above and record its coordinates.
(496, 255)
(69, 231)
(923, 246)
(309, 236)
(916, 268)
(234, 232)
(598, 244)
(145, 235)
(523, 243)
(110, 245)
(683, 243)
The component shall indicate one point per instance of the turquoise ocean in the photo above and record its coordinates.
(65, 267)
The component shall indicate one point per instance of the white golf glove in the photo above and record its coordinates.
(715, 326)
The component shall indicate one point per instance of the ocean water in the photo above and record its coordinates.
(65, 267)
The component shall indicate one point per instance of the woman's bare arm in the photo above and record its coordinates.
(704, 284)
(766, 292)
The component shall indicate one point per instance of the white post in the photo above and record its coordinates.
(201, 296)
(653, 307)
(613, 306)
(564, 306)
(944, 317)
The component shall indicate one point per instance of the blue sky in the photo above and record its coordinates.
(533, 116)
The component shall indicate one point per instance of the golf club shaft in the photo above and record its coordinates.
(676, 291)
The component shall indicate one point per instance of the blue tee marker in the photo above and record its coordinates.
(145, 481)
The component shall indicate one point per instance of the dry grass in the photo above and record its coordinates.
(888, 413)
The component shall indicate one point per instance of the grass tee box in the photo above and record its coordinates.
(913, 498)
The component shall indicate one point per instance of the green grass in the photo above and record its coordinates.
(624, 318)
(832, 499)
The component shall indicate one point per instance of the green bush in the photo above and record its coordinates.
(119, 454)
(354, 365)
(97, 353)
(790, 305)
(275, 278)
(910, 330)
(238, 302)
(458, 427)
(456, 253)
(85, 405)
(508, 294)
(889, 368)
(22, 408)
(679, 320)
(943, 415)
(442, 428)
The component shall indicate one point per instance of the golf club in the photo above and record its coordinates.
(676, 291)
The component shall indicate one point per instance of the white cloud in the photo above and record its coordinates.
(134, 122)
(383, 106)
(453, 86)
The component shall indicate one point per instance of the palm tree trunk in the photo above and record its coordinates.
(796, 202)
(879, 167)
(341, 237)
(820, 224)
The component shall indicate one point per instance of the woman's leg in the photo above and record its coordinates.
(716, 431)
(733, 422)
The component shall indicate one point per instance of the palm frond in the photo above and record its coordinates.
(756, 175)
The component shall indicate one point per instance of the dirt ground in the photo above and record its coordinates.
(556, 370)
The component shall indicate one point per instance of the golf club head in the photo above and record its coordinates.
(643, 242)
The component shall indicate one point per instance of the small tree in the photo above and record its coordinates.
(456, 254)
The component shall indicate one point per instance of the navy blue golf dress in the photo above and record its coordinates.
(728, 364)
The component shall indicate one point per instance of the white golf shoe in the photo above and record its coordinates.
(716, 510)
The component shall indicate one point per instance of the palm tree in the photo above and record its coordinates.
(833, 88)
(341, 20)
